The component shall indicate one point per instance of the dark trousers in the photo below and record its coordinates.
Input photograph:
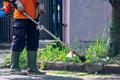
(26, 34)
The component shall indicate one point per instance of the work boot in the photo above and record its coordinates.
(31, 61)
(15, 69)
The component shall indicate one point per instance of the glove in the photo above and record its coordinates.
(7, 8)
(2, 14)
(41, 9)
(19, 6)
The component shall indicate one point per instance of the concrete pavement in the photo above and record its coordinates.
(53, 75)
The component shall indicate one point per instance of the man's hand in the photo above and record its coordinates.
(19, 6)
(41, 9)
(7, 8)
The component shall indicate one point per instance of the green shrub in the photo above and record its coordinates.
(51, 53)
(22, 60)
(97, 51)
(7, 61)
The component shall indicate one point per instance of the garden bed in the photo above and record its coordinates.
(53, 57)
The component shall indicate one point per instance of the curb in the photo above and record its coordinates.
(97, 67)
(111, 68)
(63, 66)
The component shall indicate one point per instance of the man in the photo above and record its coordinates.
(26, 34)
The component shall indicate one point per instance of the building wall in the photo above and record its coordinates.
(89, 18)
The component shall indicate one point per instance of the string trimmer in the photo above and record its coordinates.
(72, 52)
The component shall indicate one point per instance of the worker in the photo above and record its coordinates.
(25, 35)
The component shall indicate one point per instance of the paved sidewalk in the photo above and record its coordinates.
(50, 75)
(5, 75)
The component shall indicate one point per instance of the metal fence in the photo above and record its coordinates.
(46, 19)
(5, 29)
(52, 18)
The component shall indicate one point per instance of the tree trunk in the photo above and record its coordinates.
(114, 38)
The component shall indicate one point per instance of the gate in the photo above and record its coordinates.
(5, 29)
(52, 18)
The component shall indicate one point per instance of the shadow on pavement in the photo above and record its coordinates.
(5, 75)
(42, 77)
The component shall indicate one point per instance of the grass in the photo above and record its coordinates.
(54, 54)
(95, 53)
(77, 74)
(51, 53)
(22, 59)
(70, 73)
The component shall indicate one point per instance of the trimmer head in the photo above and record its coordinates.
(73, 54)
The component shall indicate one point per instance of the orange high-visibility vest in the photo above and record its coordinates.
(29, 8)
